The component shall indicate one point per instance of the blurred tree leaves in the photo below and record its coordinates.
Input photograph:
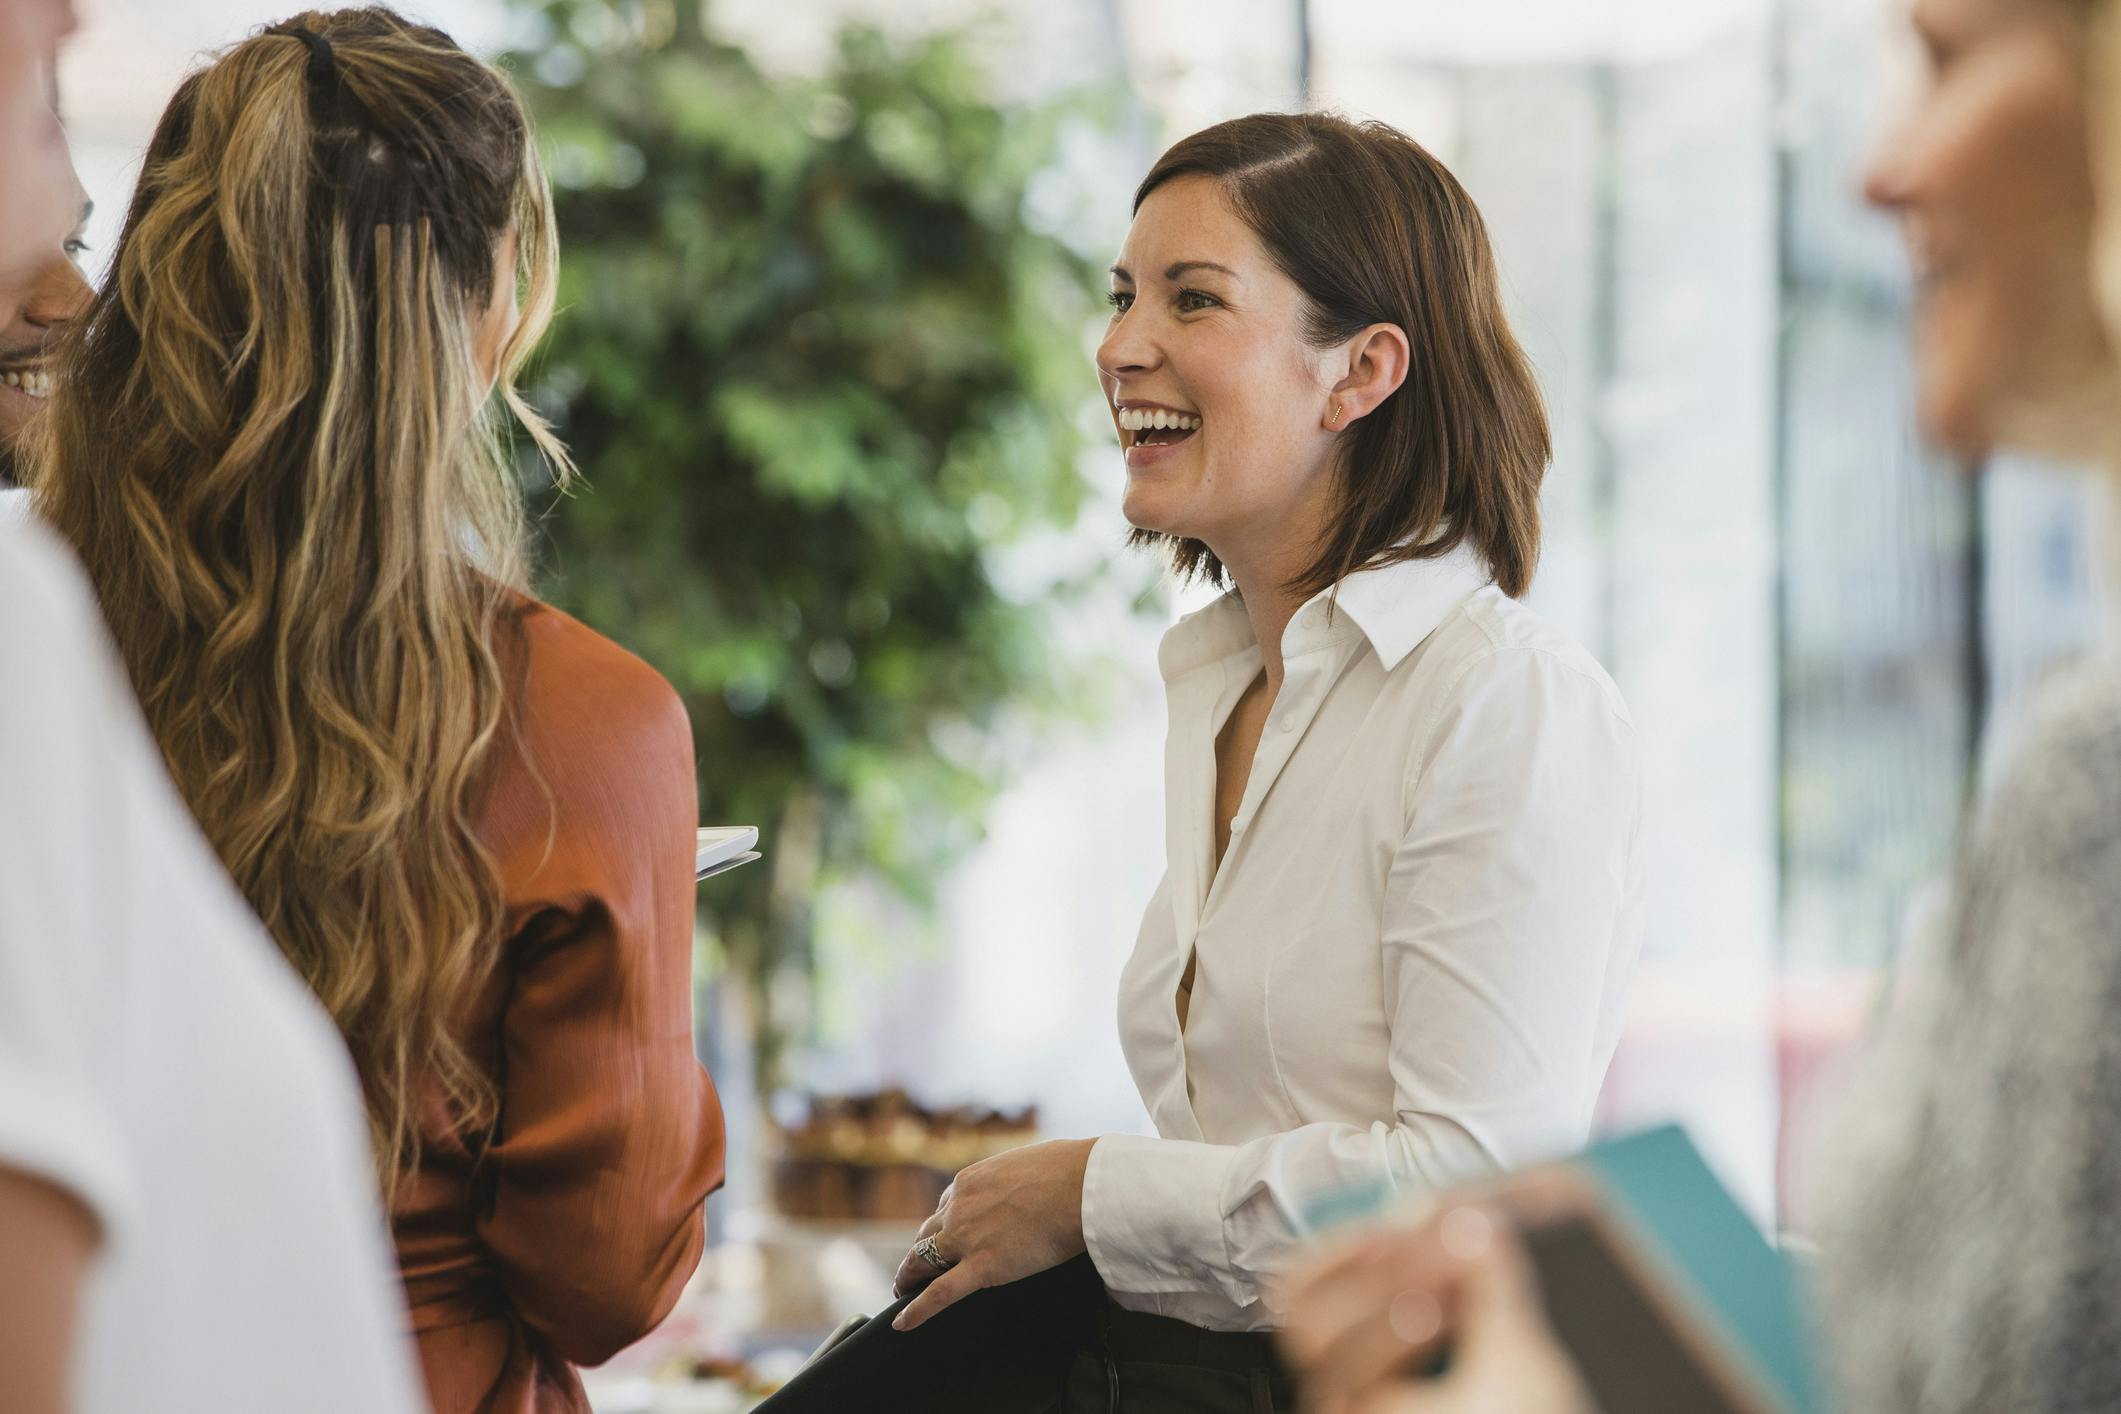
(817, 364)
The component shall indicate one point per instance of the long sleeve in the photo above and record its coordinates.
(1501, 974)
(610, 1133)
(1970, 1203)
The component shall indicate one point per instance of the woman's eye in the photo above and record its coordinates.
(1120, 300)
(1193, 301)
(76, 248)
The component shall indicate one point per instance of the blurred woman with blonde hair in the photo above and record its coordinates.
(465, 818)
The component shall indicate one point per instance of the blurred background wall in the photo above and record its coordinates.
(1813, 623)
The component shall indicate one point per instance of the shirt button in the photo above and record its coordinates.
(1237, 827)
(1288, 724)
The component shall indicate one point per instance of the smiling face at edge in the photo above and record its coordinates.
(35, 309)
(1990, 174)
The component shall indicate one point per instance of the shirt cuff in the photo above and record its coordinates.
(1153, 1218)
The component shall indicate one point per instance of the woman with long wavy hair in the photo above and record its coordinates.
(466, 819)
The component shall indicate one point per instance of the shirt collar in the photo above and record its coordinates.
(1398, 605)
(1394, 606)
(1207, 635)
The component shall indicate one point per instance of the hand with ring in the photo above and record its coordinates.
(924, 1261)
(1003, 1219)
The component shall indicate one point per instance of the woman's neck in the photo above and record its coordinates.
(1262, 583)
(1263, 568)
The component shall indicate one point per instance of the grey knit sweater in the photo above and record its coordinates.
(1970, 1227)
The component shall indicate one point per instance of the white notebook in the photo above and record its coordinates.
(722, 848)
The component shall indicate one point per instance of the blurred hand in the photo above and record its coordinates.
(1370, 1311)
(1003, 1219)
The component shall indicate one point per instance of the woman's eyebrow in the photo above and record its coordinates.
(1176, 270)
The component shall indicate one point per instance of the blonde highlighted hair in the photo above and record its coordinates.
(274, 451)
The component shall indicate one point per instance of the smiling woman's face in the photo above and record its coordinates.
(1209, 334)
(1990, 175)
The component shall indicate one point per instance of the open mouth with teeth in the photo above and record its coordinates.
(1156, 427)
(36, 382)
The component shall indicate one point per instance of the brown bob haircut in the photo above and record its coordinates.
(1374, 230)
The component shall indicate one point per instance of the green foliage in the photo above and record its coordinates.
(817, 366)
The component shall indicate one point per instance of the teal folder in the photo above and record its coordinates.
(1659, 1183)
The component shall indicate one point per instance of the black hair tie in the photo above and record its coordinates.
(321, 63)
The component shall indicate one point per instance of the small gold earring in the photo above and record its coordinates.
(1334, 420)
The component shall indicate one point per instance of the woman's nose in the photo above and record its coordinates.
(1885, 176)
(1126, 348)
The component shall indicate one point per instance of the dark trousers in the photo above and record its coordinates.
(1155, 1365)
(1050, 1344)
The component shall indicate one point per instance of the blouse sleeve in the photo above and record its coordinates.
(610, 1133)
(1501, 953)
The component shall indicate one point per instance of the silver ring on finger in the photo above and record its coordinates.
(925, 1249)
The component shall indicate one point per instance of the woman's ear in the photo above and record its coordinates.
(1377, 363)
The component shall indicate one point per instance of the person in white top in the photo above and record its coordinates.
(1404, 892)
(188, 1221)
(186, 1192)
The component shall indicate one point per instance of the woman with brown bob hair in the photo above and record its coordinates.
(1403, 889)
(465, 818)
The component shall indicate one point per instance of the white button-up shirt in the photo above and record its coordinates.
(1414, 958)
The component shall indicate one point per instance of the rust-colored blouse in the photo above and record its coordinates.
(569, 1234)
